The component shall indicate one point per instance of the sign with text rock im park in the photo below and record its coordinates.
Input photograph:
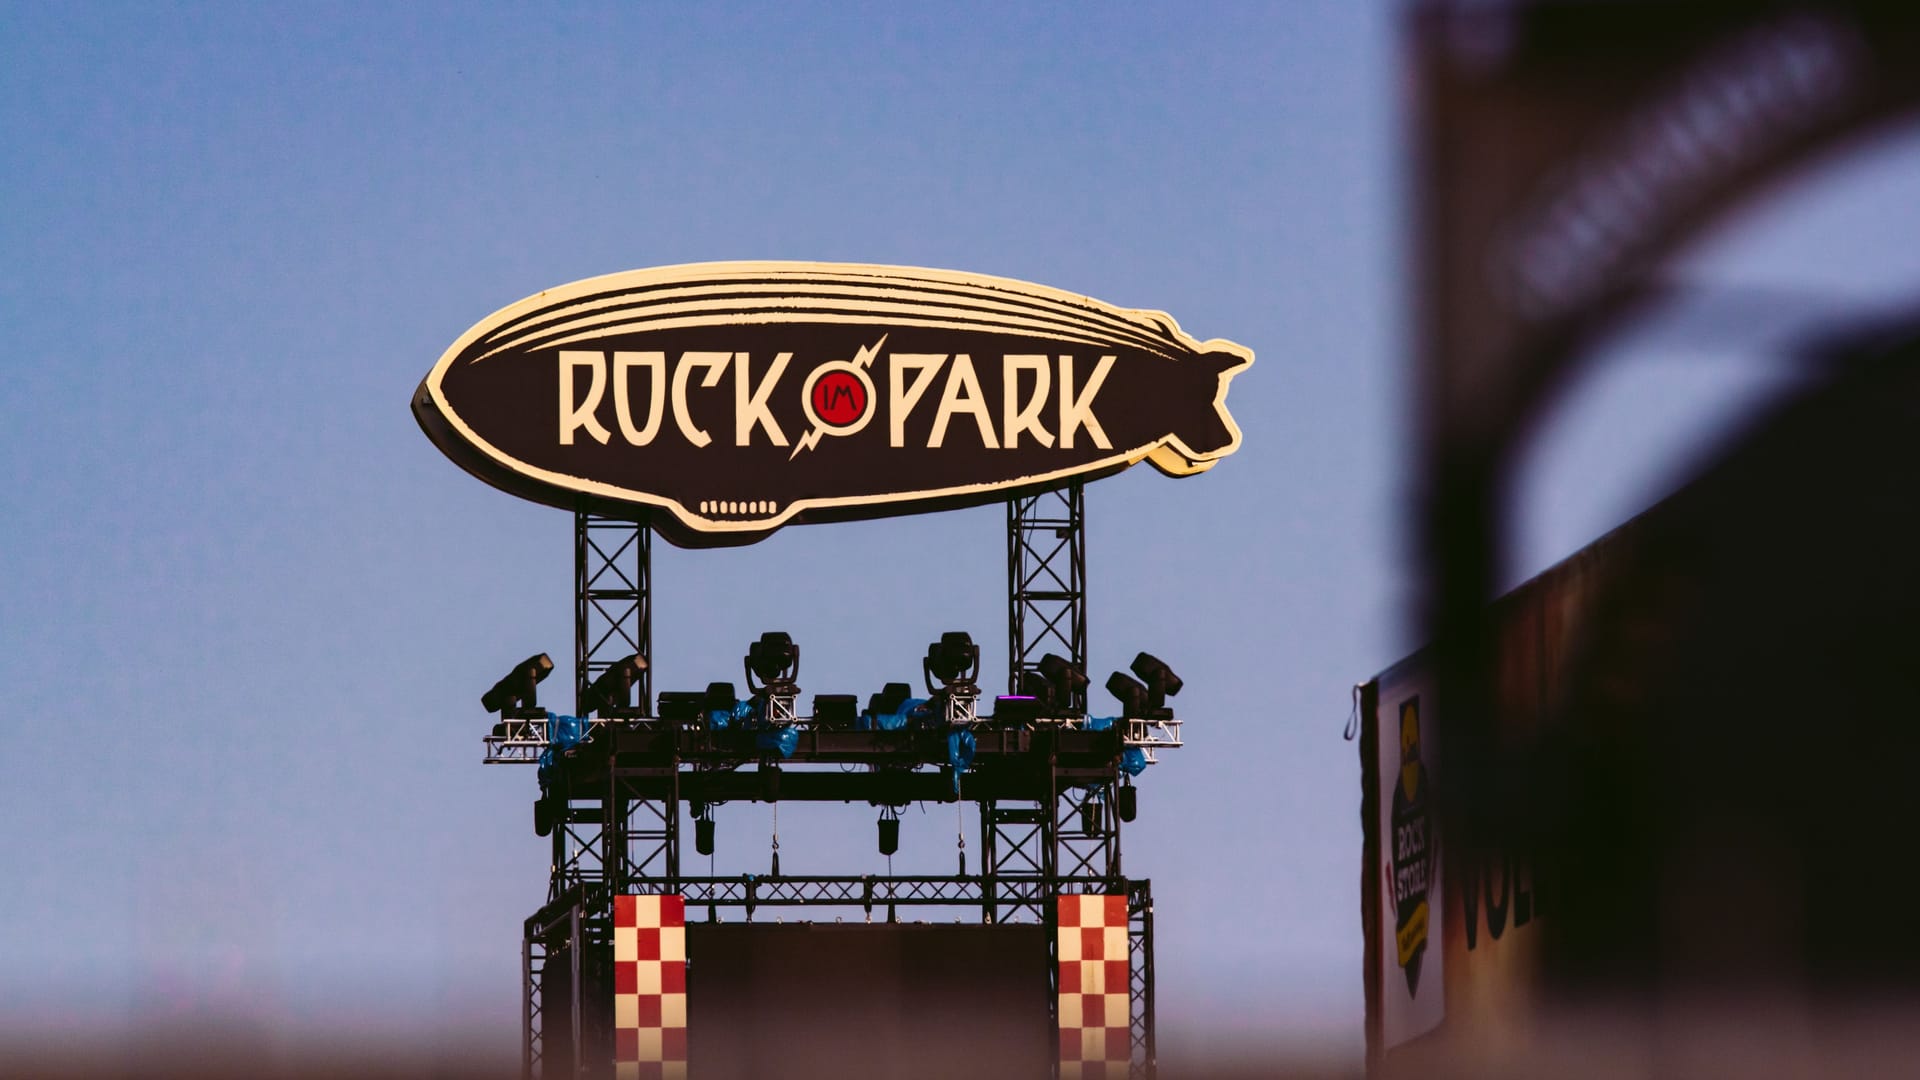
(733, 398)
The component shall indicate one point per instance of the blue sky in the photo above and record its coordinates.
(249, 609)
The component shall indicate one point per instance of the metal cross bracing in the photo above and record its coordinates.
(1046, 576)
(643, 832)
(578, 837)
(613, 603)
(1140, 978)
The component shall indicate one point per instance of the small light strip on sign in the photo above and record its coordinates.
(738, 506)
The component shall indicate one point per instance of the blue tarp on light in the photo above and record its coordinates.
(783, 740)
(742, 714)
(960, 748)
(913, 709)
(1133, 760)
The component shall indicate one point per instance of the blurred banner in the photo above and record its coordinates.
(1564, 152)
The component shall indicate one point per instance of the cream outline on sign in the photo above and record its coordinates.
(700, 294)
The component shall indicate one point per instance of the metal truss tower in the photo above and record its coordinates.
(1048, 822)
(607, 834)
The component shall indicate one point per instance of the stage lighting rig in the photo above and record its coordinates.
(775, 660)
(955, 661)
(514, 696)
(612, 693)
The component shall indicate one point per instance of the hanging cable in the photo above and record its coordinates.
(960, 834)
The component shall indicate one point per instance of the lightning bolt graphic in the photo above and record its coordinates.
(862, 360)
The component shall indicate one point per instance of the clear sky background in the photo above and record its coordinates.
(248, 609)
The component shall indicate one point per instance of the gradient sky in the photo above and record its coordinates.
(248, 609)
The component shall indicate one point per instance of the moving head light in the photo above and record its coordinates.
(775, 659)
(612, 693)
(1134, 698)
(954, 659)
(515, 692)
(1161, 682)
(1060, 687)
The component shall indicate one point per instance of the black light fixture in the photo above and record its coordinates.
(1161, 682)
(954, 660)
(835, 712)
(514, 694)
(891, 699)
(612, 693)
(1126, 801)
(774, 659)
(889, 830)
(1134, 698)
(683, 705)
(1066, 683)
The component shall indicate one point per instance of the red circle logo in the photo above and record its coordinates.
(839, 399)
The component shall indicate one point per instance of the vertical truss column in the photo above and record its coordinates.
(643, 847)
(1088, 834)
(1046, 575)
(1145, 1062)
(1046, 613)
(613, 602)
(533, 967)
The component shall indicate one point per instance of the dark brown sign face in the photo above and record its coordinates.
(741, 397)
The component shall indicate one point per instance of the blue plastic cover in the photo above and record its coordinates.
(783, 740)
(565, 732)
(1133, 760)
(960, 748)
(920, 713)
(893, 721)
(741, 714)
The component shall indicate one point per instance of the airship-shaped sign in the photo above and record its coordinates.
(724, 400)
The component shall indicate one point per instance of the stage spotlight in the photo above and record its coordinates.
(1067, 682)
(774, 659)
(953, 659)
(1161, 682)
(1016, 709)
(1126, 801)
(889, 830)
(1134, 698)
(891, 699)
(686, 706)
(515, 691)
(611, 695)
(721, 699)
(835, 712)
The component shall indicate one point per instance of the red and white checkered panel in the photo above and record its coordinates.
(1096, 1032)
(649, 988)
